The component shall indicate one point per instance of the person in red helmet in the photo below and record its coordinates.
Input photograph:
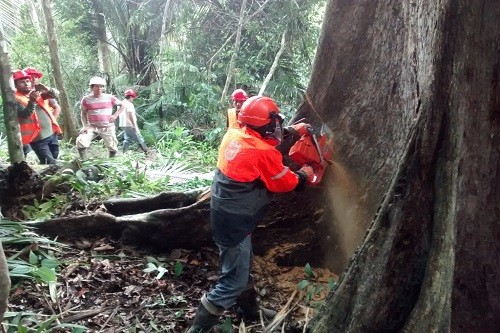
(38, 126)
(249, 169)
(49, 94)
(239, 96)
(128, 122)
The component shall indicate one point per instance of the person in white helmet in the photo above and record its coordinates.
(96, 112)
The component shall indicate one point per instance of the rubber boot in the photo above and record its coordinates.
(112, 154)
(146, 150)
(126, 145)
(83, 153)
(248, 308)
(204, 319)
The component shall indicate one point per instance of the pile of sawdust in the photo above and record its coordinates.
(287, 279)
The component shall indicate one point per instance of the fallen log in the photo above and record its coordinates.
(295, 221)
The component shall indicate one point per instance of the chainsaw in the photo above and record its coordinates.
(314, 148)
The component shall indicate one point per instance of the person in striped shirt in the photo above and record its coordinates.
(97, 109)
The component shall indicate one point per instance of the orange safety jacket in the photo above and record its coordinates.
(244, 156)
(232, 119)
(248, 171)
(30, 126)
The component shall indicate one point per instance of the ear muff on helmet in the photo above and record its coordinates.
(262, 115)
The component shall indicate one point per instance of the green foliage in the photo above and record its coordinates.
(157, 265)
(44, 210)
(196, 48)
(227, 326)
(29, 48)
(36, 261)
(27, 322)
(312, 288)
(40, 265)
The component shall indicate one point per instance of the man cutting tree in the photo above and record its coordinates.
(249, 169)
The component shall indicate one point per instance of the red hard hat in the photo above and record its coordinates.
(33, 72)
(256, 111)
(19, 74)
(239, 95)
(130, 92)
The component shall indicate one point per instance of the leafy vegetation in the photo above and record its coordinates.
(180, 74)
(178, 62)
(312, 288)
(34, 260)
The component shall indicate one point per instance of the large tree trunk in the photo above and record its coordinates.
(70, 131)
(411, 92)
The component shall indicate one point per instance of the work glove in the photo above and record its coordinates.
(308, 171)
(298, 129)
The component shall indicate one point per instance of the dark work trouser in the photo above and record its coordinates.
(46, 149)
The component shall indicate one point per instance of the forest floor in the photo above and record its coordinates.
(107, 287)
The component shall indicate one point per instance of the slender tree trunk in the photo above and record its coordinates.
(236, 49)
(34, 17)
(70, 131)
(411, 92)
(165, 20)
(9, 109)
(102, 39)
(274, 65)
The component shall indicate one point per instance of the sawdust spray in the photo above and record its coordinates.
(347, 214)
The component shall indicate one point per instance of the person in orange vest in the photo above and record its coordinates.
(238, 97)
(38, 126)
(249, 169)
(50, 94)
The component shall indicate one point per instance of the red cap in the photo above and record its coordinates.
(33, 72)
(19, 74)
(130, 92)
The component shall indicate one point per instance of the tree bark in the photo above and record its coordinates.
(165, 19)
(70, 131)
(4, 283)
(102, 39)
(411, 92)
(9, 109)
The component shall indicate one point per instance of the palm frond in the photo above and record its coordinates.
(9, 17)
